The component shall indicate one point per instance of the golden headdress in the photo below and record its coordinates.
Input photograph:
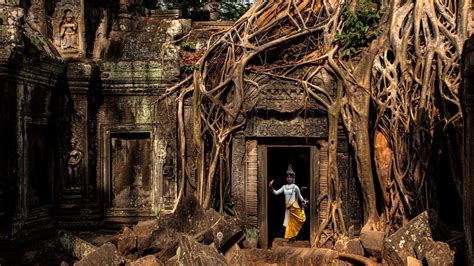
(290, 171)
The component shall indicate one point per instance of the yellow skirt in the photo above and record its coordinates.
(296, 219)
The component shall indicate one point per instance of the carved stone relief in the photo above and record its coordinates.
(74, 169)
(169, 194)
(297, 127)
(74, 157)
(67, 28)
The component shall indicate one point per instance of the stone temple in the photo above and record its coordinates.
(86, 143)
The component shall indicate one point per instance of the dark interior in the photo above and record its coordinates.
(278, 160)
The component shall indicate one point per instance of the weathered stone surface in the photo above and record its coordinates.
(127, 241)
(434, 252)
(352, 246)
(227, 231)
(143, 231)
(281, 242)
(372, 241)
(145, 227)
(149, 260)
(107, 254)
(233, 256)
(289, 256)
(190, 252)
(413, 261)
(74, 246)
(251, 237)
(401, 244)
(162, 243)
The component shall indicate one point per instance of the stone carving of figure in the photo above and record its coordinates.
(168, 167)
(74, 166)
(68, 31)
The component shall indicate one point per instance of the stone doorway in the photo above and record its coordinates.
(273, 160)
(278, 159)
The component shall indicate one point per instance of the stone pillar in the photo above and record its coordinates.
(77, 182)
(468, 182)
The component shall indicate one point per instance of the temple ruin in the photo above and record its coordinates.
(90, 142)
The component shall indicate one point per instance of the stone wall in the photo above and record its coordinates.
(29, 85)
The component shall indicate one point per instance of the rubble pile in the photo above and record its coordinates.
(416, 241)
(193, 236)
(190, 236)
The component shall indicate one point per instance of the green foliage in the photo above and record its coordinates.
(188, 69)
(37, 42)
(189, 8)
(188, 46)
(360, 26)
(229, 208)
(231, 11)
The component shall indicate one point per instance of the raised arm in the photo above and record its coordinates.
(299, 193)
(276, 192)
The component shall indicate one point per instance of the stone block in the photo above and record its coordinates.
(251, 237)
(149, 260)
(143, 231)
(127, 241)
(413, 261)
(434, 252)
(190, 252)
(107, 254)
(401, 244)
(352, 246)
(372, 241)
(74, 246)
(233, 256)
(282, 242)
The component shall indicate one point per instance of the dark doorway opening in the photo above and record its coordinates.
(278, 160)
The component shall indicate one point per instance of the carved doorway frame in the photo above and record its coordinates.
(106, 132)
(262, 189)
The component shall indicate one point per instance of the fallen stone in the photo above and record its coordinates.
(227, 231)
(191, 252)
(291, 256)
(282, 242)
(149, 260)
(74, 246)
(250, 238)
(233, 256)
(145, 227)
(126, 242)
(413, 261)
(434, 252)
(163, 243)
(401, 244)
(143, 231)
(372, 242)
(206, 226)
(107, 254)
(351, 246)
